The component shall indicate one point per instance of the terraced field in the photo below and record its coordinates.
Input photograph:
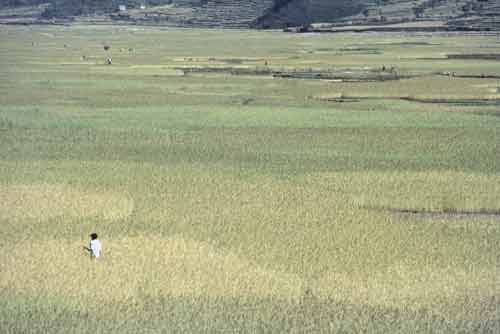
(250, 182)
(454, 15)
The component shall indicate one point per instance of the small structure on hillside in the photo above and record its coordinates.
(122, 8)
(142, 6)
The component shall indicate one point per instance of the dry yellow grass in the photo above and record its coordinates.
(231, 203)
(405, 284)
(132, 267)
(429, 190)
(42, 202)
(135, 267)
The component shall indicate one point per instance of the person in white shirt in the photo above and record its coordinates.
(95, 246)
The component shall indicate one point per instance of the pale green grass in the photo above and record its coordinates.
(244, 203)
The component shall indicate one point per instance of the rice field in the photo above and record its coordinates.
(229, 200)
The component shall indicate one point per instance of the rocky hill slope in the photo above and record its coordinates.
(459, 14)
(456, 14)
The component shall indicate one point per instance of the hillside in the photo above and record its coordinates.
(456, 14)
(478, 14)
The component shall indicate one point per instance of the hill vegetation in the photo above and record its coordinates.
(456, 14)
(17, 3)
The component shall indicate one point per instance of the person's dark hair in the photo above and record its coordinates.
(93, 236)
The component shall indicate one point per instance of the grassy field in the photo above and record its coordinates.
(245, 203)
